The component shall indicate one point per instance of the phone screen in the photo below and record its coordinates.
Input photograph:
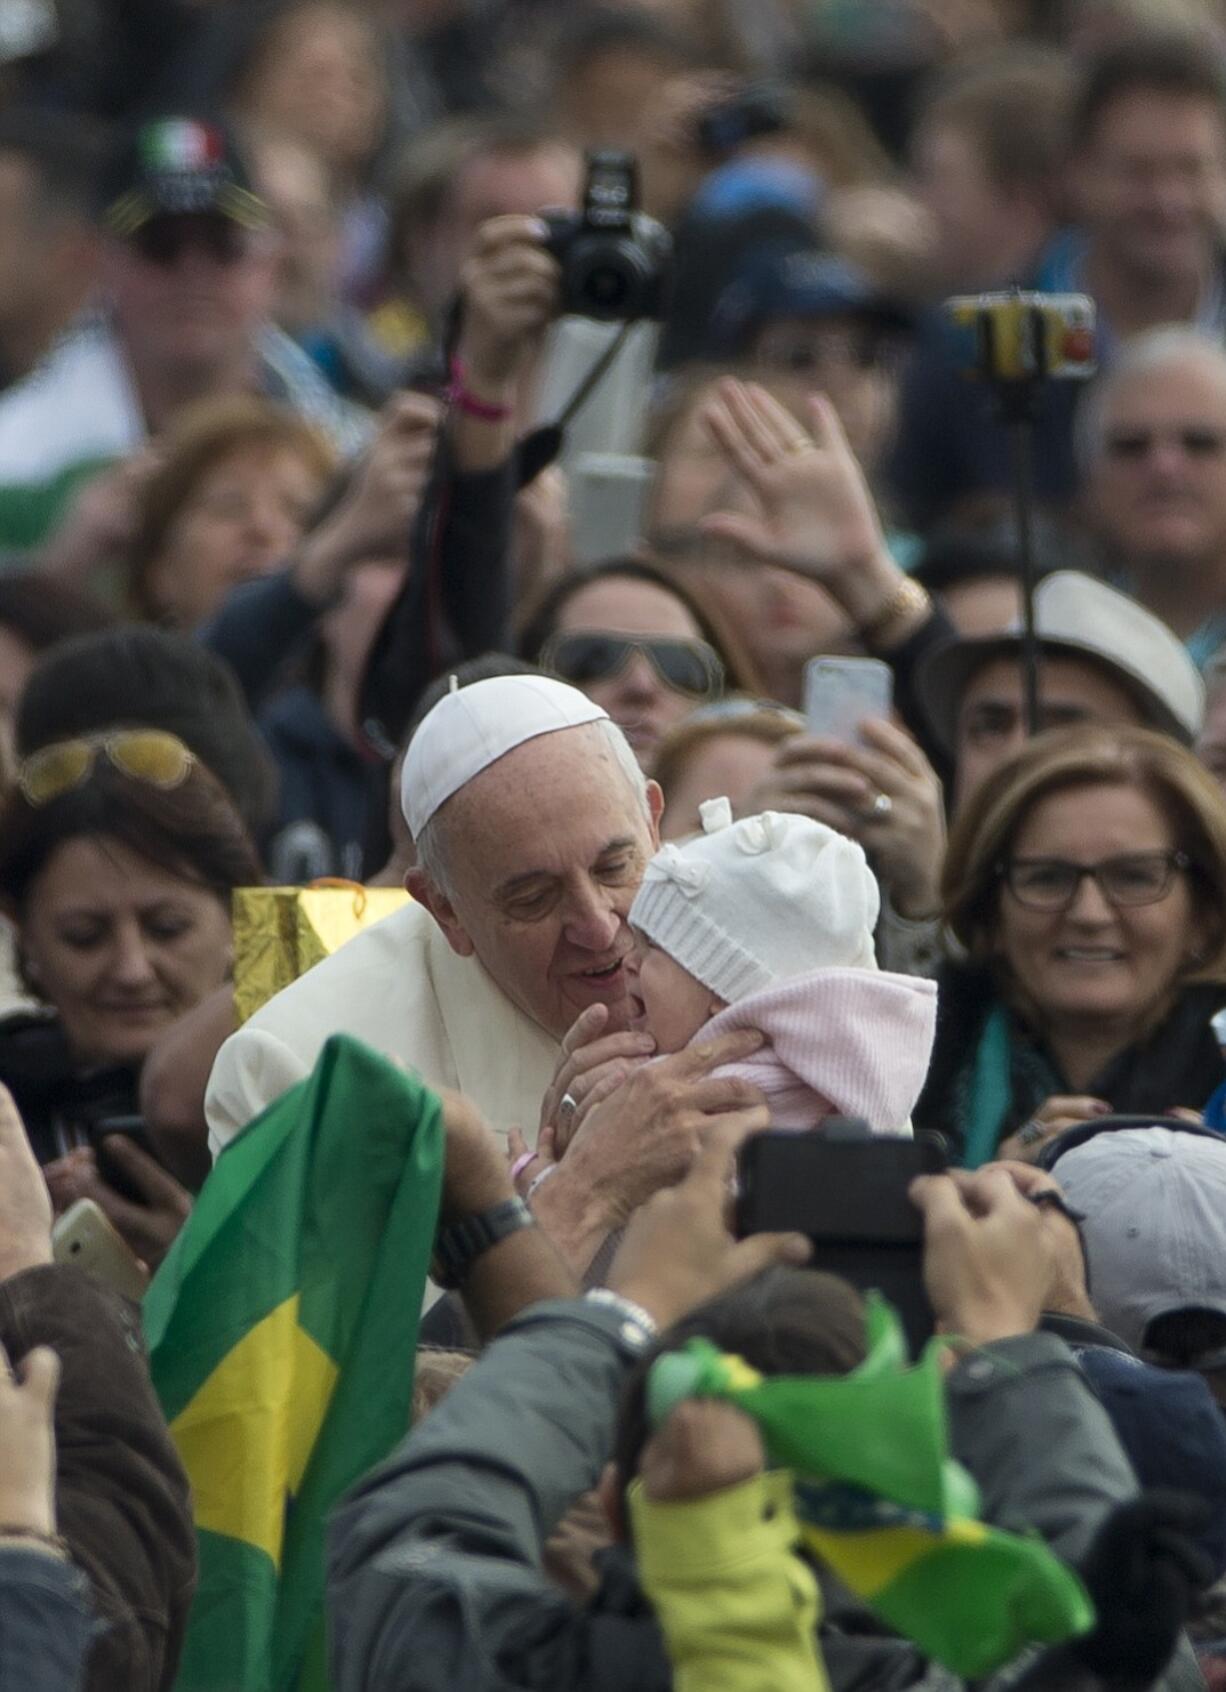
(842, 693)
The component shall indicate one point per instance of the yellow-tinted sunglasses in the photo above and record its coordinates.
(144, 754)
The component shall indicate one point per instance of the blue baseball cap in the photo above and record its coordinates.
(801, 282)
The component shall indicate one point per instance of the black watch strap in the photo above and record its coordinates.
(458, 1246)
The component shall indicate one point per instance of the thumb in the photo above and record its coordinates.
(764, 1251)
(741, 531)
(547, 1141)
(40, 1378)
(517, 1146)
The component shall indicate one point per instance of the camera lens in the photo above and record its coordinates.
(608, 288)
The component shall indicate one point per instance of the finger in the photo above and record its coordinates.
(1025, 1177)
(755, 420)
(775, 422)
(697, 1061)
(839, 786)
(737, 447)
(547, 1143)
(826, 426)
(895, 743)
(1071, 1107)
(498, 232)
(804, 749)
(744, 532)
(940, 1199)
(763, 1251)
(40, 1378)
(604, 1088)
(517, 1146)
(145, 1172)
(734, 1127)
(585, 1028)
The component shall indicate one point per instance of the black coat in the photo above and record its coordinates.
(58, 1104)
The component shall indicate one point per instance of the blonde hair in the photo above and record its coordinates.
(694, 732)
(1153, 764)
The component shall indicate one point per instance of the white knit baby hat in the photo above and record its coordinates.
(747, 904)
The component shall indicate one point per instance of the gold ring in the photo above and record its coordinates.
(802, 443)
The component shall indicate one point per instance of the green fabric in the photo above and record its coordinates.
(313, 1233)
(29, 511)
(884, 1504)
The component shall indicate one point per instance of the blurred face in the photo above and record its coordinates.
(851, 362)
(1157, 488)
(191, 293)
(501, 184)
(967, 209)
(16, 661)
(985, 605)
(245, 514)
(668, 1002)
(1152, 183)
(320, 81)
(294, 185)
(546, 849)
(1096, 963)
(603, 104)
(727, 765)
(45, 265)
(637, 697)
(992, 714)
(120, 947)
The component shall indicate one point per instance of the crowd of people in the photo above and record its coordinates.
(437, 437)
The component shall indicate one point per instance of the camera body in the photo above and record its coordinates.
(615, 261)
(1019, 338)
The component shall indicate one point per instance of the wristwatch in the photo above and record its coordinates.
(458, 1246)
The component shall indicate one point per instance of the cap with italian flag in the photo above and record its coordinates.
(179, 167)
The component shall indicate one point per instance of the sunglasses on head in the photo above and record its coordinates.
(686, 666)
(164, 240)
(147, 755)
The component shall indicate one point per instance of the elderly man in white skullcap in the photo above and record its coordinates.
(533, 825)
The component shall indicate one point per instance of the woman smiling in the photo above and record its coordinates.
(1087, 882)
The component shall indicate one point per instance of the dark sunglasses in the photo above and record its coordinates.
(164, 240)
(687, 666)
(1139, 443)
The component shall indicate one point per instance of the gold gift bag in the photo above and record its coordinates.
(281, 932)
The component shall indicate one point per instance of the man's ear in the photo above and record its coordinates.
(418, 883)
(609, 1493)
(655, 805)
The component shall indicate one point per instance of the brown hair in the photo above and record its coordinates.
(1013, 105)
(191, 830)
(203, 437)
(693, 733)
(1153, 764)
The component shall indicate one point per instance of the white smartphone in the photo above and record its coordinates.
(84, 1236)
(608, 500)
(842, 693)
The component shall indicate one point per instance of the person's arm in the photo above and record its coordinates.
(456, 599)
(122, 1503)
(173, 1081)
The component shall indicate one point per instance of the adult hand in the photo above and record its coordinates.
(374, 517)
(101, 521)
(1053, 1116)
(25, 1204)
(678, 1251)
(509, 288)
(591, 1064)
(475, 1174)
(987, 1255)
(149, 1228)
(27, 1440)
(1067, 1293)
(840, 785)
(703, 1447)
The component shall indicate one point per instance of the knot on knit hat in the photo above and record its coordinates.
(748, 904)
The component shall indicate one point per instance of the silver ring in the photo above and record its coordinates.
(1030, 1133)
(568, 1106)
(881, 807)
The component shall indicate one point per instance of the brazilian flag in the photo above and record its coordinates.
(282, 1329)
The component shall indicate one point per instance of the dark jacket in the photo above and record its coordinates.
(435, 1569)
(59, 1104)
(331, 796)
(46, 1621)
(121, 1494)
(1179, 1064)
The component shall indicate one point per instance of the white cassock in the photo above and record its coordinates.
(401, 988)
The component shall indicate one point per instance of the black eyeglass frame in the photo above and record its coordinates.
(1175, 863)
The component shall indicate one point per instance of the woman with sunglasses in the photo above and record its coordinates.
(637, 644)
(1086, 882)
(118, 855)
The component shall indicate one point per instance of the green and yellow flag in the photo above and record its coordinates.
(883, 1504)
(282, 1329)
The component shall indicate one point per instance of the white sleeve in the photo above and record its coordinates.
(251, 1070)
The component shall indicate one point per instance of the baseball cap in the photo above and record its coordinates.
(1154, 1201)
(178, 167)
(1078, 617)
(801, 282)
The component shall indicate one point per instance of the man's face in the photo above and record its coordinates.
(41, 254)
(1152, 182)
(545, 851)
(491, 185)
(1157, 488)
(991, 723)
(191, 291)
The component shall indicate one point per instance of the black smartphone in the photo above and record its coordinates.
(133, 1128)
(846, 1188)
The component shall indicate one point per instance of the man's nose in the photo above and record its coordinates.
(592, 921)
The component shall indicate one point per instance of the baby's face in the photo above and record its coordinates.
(665, 999)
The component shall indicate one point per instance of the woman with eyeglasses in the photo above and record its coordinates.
(118, 855)
(1086, 883)
(637, 644)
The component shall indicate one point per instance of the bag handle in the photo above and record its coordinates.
(323, 883)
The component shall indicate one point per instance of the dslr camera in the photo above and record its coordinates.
(1018, 338)
(615, 260)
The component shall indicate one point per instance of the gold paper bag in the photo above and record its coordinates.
(281, 932)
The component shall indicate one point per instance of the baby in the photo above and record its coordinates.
(767, 923)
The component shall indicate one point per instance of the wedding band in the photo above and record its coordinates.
(881, 807)
(802, 443)
(568, 1106)
(1031, 1132)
